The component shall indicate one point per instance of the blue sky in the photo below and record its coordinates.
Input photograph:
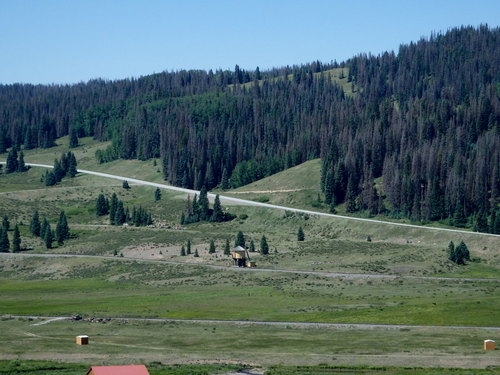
(69, 41)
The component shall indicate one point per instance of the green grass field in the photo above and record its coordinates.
(122, 287)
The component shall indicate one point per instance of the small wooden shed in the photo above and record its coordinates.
(489, 345)
(118, 370)
(82, 340)
(240, 256)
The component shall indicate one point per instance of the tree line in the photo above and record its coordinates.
(419, 138)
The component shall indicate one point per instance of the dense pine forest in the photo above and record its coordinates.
(417, 135)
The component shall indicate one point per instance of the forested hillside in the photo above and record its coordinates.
(423, 123)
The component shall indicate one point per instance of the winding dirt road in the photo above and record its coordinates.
(260, 204)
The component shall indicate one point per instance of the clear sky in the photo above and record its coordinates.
(69, 41)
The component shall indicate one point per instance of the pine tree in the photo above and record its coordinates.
(217, 214)
(224, 183)
(16, 240)
(227, 248)
(300, 234)
(451, 252)
(183, 251)
(62, 228)
(196, 255)
(120, 217)
(482, 222)
(58, 171)
(125, 185)
(351, 197)
(101, 205)
(203, 204)
(462, 253)
(157, 194)
(72, 164)
(11, 165)
(49, 237)
(459, 219)
(112, 208)
(4, 241)
(211, 247)
(165, 168)
(43, 228)
(240, 240)
(6, 223)
(35, 224)
(73, 138)
(264, 247)
(251, 248)
(21, 166)
(188, 247)
(49, 179)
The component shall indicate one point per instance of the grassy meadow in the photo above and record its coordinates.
(144, 276)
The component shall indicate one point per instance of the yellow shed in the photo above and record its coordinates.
(82, 340)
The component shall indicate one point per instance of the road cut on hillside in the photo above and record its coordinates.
(246, 202)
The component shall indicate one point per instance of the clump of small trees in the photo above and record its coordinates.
(63, 167)
(119, 214)
(199, 210)
(43, 229)
(458, 254)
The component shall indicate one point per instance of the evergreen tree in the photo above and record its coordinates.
(196, 255)
(264, 247)
(112, 208)
(493, 219)
(182, 221)
(125, 185)
(482, 222)
(224, 183)
(240, 240)
(62, 228)
(73, 138)
(35, 224)
(333, 204)
(157, 194)
(188, 247)
(300, 234)
(183, 251)
(217, 214)
(351, 197)
(64, 163)
(451, 252)
(211, 247)
(21, 166)
(43, 228)
(165, 168)
(11, 165)
(120, 217)
(49, 237)
(6, 223)
(16, 240)
(462, 253)
(227, 248)
(49, 179)
(58, 171)
(251, 248)
(4, 241)
(72, 164)
(459, 219)
(101, 205)
(203, 204)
